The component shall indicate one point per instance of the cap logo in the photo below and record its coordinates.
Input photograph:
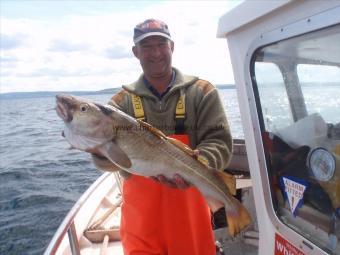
(150, 27)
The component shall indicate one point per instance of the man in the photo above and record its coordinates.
(168, 216)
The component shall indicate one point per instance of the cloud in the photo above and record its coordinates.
(8, 42)
(118, 52)
(92, 50)
(7, 64)
(7, 59)
(67, 46)
(50, 72)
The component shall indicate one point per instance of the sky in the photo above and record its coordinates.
(66, 45)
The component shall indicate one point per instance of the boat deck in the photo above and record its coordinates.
(244, 244)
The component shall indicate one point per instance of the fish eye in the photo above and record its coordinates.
(84, 108)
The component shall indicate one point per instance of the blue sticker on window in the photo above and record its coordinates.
(294, 190)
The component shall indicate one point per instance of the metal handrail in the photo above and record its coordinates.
(68, 222)
(72, 238)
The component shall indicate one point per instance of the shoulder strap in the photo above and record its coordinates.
(180, 107)
(180, 114)
(137, 107)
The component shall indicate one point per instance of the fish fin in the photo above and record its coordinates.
(229, 180)
(193, 153)
(152, 129)
(237, 220)
(238, 217)
(203, 160)
(115, 154)
(182, 146)
(175, 142)
(214, 204)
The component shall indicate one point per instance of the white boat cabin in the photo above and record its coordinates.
(286, 63)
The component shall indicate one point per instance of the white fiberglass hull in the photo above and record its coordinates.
(94, 210)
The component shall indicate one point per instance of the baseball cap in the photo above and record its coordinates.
(150, 27)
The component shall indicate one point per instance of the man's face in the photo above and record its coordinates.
(155, 55)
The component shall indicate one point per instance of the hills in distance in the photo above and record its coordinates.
(19, 95)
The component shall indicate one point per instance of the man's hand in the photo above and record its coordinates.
(176, 182)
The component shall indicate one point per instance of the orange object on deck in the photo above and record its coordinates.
(157, 219)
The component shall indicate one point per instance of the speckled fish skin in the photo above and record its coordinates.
(142, 150)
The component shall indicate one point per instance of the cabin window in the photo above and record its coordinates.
(312, 77)
(271, 86)
(296, 84)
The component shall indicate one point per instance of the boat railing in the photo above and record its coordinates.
(68, 225)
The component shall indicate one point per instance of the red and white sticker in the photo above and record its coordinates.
(283, 247)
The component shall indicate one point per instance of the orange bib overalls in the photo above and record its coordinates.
(157, 219)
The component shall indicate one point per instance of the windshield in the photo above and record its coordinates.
(297, 86)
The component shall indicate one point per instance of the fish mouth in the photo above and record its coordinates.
(63, 108)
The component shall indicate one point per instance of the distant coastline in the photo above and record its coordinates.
(37, 94)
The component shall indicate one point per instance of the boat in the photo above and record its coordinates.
(286, 63)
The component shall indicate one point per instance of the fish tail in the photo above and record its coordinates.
(237, 220)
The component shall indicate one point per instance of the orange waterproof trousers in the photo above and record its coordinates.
(157, 219)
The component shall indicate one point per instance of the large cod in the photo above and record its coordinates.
(140, 149)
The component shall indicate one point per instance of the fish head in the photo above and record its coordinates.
(87, 124)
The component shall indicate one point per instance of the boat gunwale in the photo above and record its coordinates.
(69, 219)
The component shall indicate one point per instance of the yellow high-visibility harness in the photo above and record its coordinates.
(179, 113)
(137, 107)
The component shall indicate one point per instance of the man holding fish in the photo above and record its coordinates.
(163, 210)
(149, 209)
